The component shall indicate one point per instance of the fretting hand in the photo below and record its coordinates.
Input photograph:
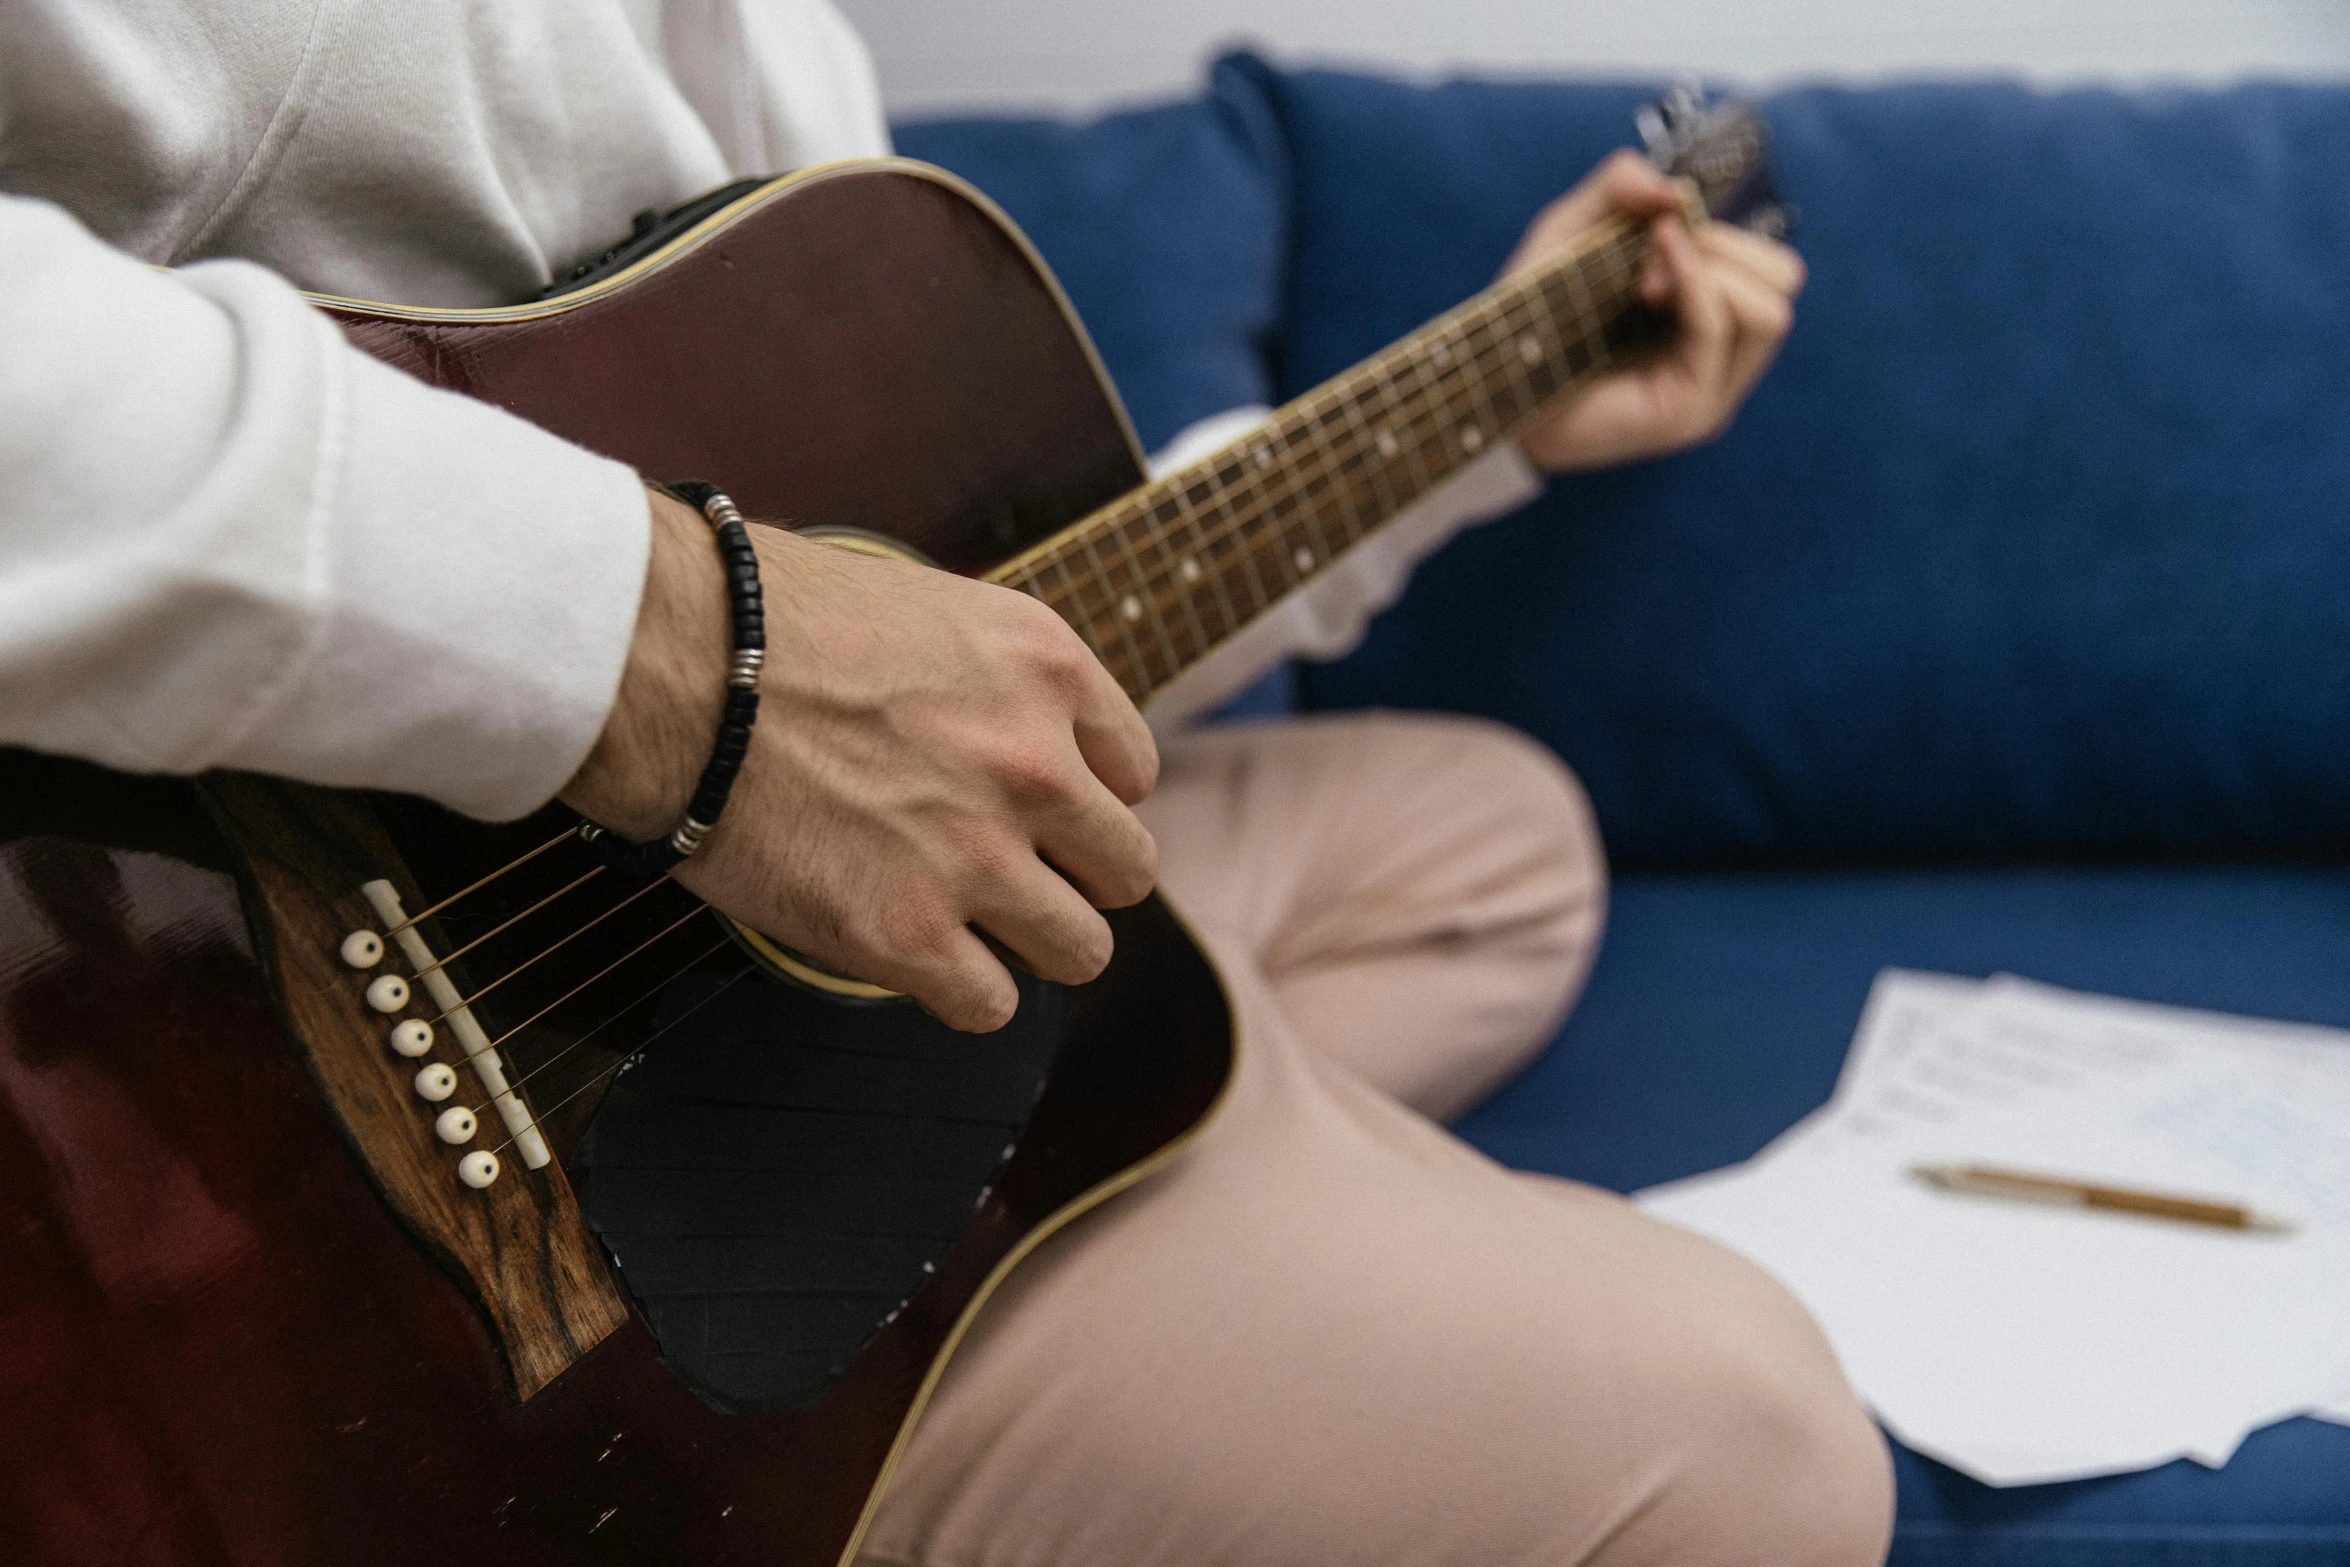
(934, 758)
(1732, 291)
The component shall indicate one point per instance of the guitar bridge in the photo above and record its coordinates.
(514, 1243)
(414, 1037)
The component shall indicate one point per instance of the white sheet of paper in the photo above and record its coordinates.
(2024, 1344)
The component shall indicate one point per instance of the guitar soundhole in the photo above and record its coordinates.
(777, 1174)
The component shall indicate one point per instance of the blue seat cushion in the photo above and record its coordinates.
(1720, 1010)
(2027, 543)
(1167, 227)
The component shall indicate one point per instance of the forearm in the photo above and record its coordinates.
(229, 540)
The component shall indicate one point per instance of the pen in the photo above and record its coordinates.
(1984, 1180)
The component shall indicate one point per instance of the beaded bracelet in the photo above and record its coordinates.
(742, 698)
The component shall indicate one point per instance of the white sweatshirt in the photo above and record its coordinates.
(227, 539)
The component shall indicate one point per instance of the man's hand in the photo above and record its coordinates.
(934, 758)
(1734, 293)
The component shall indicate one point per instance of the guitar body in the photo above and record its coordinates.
(248, 1312)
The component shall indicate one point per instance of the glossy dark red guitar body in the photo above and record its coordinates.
(217, 1343)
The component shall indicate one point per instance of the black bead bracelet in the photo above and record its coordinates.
(742, 698)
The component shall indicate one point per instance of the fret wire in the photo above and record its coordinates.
(1147, 596)
(1215, 579)
(1323, 554)
(1232, 479)
(1083, 628)
(1187, 602)
(1134, 663)
(1375, 392)
(1234, 527)
(1439, 414)
(1439, 404)
(1377, 468)
(1262, 539)
(1442, 410)
(1521, 389)
(1601, 244)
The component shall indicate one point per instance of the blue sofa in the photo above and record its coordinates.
(2008, 630)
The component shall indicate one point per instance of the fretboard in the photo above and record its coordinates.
(1156, 580)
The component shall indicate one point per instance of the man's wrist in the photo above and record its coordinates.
(641, 771)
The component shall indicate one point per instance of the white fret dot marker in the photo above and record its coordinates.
(1471, 438)
(1387, 446)
(412, 1038)
(1263, 457)
(436, 1082)
(455, 1125)
(1189, 570)
(1305, 559)
(363, 949)
(1529, 350)
(388, 993)
(477, 1170)
(1131, 608)
(1441, 354)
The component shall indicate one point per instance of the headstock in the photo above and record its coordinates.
(1725, 149)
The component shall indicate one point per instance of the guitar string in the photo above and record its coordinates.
(1427, 419)
(1245, 498)
(1413, 355)
(552, 948)
(1336, 491)
(1231, 502)
(440, 962)
(540, 1117)
(1384, 369)
(466, 892)
(1346, 467)
(617, 1013)
(698, 908)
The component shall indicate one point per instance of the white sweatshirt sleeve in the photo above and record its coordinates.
(227, 539)
(1327, 617)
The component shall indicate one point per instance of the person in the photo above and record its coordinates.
(1328, 1331)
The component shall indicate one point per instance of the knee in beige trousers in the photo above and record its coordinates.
(1329, 1332)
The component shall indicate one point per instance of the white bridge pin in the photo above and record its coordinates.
(363, 949)
(436, 1082)
(387, 993)
(455, 1125)
(412, 1038)
(477, 1170)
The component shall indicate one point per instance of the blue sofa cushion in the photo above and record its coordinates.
(1719, 1013)
(1167, 228)
(2032, 540)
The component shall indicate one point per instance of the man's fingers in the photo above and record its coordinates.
(1043, 922)
(1113, 739)
(1624, 182)
(1769, 262)
(1760, 316)
(1097, 843)
(1696, 295)
(955, 979)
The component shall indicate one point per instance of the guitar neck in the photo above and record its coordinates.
(1159, 578)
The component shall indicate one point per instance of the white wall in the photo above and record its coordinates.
(1082, 54)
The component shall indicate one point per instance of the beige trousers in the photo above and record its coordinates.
(1330, 1332)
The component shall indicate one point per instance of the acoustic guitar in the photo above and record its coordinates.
(378, 1186)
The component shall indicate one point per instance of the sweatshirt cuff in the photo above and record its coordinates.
(479, 592)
